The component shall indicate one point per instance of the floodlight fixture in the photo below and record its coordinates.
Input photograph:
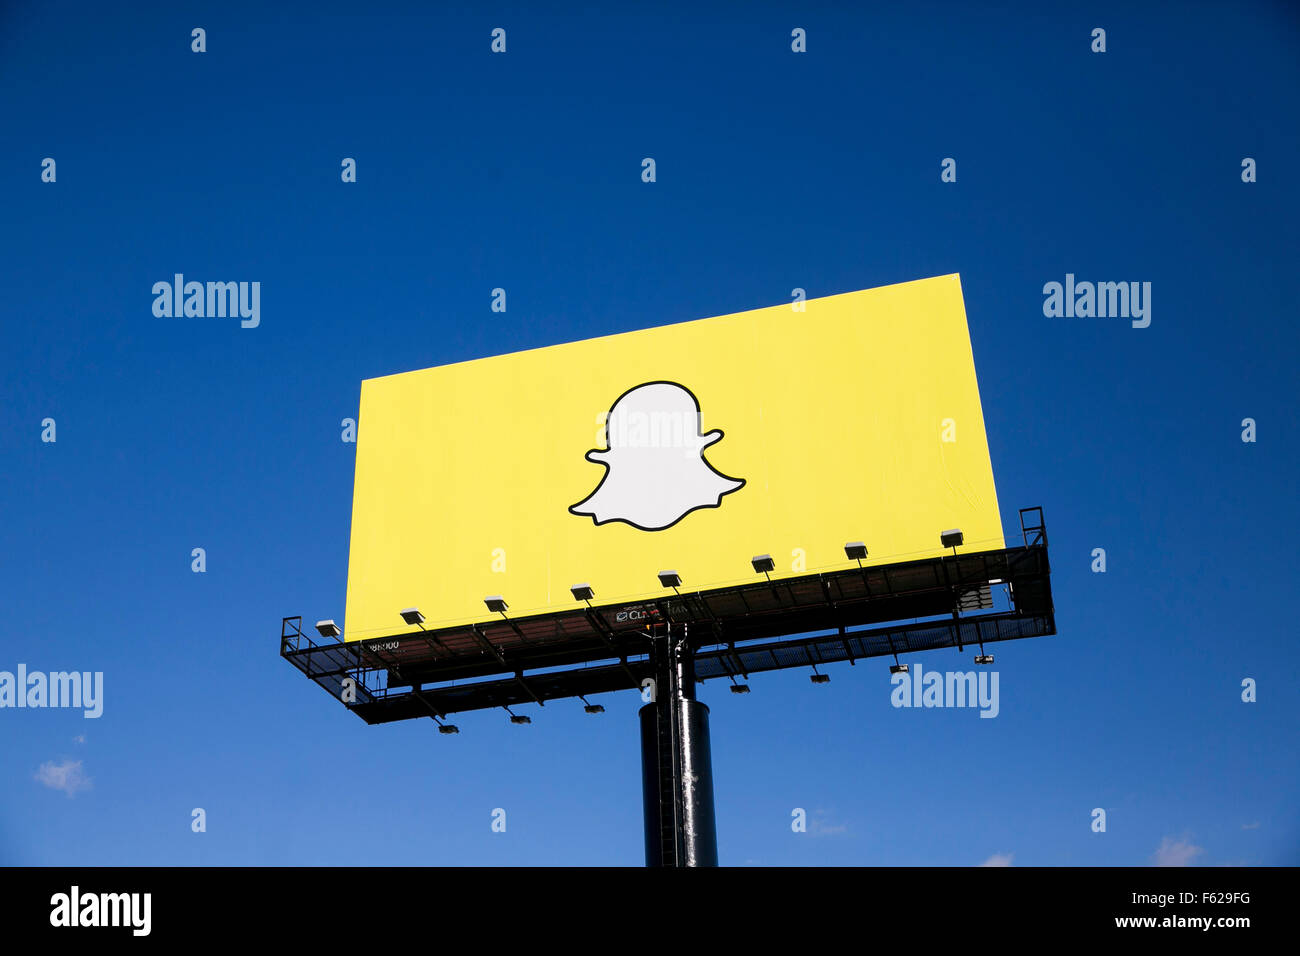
(818, 678)
(898, 668)
(582, 592)
(412, 615)
(762, 563)
(855, 551)
(983, 658)
(670, 579)
(448, 729)
(590, 708)
(951, 538)
(517, 718)
(496, 604)
(328, 629)
(740, 688)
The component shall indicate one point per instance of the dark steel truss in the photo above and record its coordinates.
(847, 615)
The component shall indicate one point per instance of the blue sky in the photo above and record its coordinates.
(775, 170)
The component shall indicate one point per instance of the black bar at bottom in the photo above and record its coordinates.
(1234, 908)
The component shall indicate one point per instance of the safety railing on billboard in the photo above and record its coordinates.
(953, 600)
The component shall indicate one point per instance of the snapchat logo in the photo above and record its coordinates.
(655, 469)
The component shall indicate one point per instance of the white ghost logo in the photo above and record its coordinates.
(655, 471)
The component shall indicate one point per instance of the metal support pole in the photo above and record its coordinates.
(676, 768)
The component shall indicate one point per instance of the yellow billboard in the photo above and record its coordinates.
(787, 431)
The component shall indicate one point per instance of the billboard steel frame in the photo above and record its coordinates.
(665, 647)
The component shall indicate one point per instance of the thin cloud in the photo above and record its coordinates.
(1173, 852)
(999, 859)
(1250, 826)
(66, 776)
